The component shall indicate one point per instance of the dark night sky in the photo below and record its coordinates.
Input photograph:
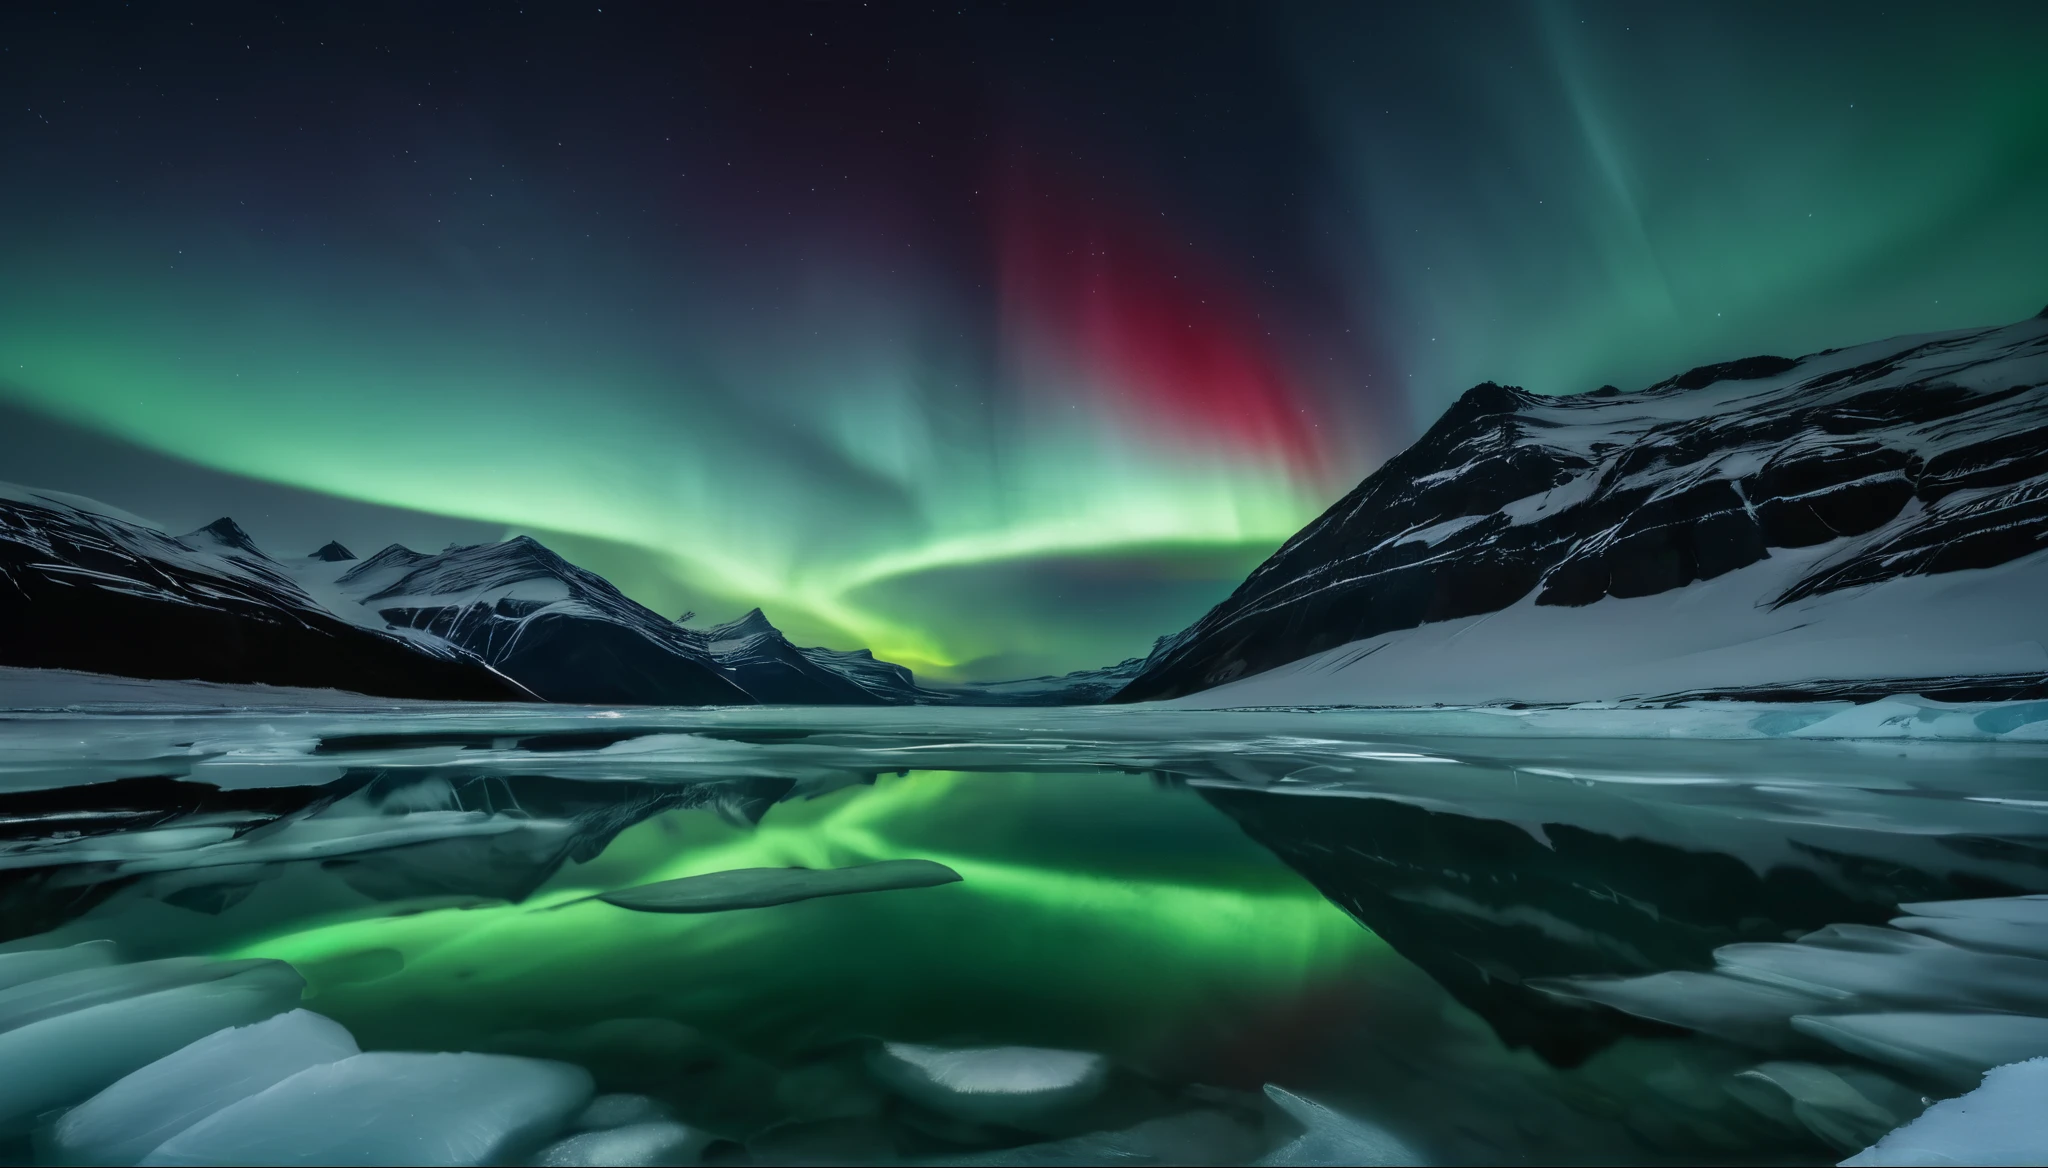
(1001, 339)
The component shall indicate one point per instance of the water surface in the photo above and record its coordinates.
(1417, 919)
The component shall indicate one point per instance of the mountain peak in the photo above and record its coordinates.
(332, 552)
(1743, 369)
(395, 555)
(1873, 469)
(1492, 398)
(225, 532)
(754, 624)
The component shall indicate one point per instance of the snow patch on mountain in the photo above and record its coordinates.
(1872, 516)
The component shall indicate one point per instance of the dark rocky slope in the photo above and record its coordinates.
(1820, 480)
(561, 631)
(82, 588)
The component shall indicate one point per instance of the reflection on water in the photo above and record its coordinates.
(1575, 947)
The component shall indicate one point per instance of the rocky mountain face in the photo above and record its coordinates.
(82, 587)
(759, 659)
(563, 632)
(1860, 520)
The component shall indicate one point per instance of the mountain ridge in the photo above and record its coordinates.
(1915, 457)
(88, 587)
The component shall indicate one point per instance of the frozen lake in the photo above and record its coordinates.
(1707, 934)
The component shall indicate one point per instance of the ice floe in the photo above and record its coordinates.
(77, 1045)
(1333, 1137)
(633, 1144)
(1999, 1123)
(390, 1107)
(991, 1084)
(125, 1122)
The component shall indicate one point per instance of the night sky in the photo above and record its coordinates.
(999, 339)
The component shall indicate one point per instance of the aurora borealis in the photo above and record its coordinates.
(998, 340)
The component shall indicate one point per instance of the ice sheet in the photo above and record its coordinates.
(123, 1123)
(1334, 1138)
(77, 1053)
(656, 1142)
(390, 1108)
(998, 1084)
(1999, 1123)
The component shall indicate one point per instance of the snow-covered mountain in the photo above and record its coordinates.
(1857, 521)
(759, 659)
(85, 587)
(561, 631)
(571, 636)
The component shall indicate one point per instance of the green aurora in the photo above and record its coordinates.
(756, 352)
(1105, 912)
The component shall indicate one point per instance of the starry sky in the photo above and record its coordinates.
(999, 339)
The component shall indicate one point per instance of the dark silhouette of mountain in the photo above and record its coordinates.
(82, 587)
(758, 658)
(332, 552)
(90, 589)
(561, 631)
(569, 635)
(1848, 523)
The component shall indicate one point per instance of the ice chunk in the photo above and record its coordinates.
(660, 1142)
(761, 887)
(1911, 970)
(2006, 717)
(1334, 1138)
(2001, 1122)
(390, 1107)
(1846, 1106)
(618, 1111)
(121, 1124)
(2018, 940)
(1953, 1047)
(75, 1054)
(27, 965)
(1742, 1011)
(2012, 910)
(81, 988)
(991, 1084)
(2016, 925)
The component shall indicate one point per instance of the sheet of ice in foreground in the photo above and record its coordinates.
(762, 887)
(72, 989)
(1921, 996)
(2016, 924)
(2001, 1122)
(390, 1108)
(1947, 992)
(125, 1122)
(1334, 1138)
(991, 1084)
(1846, 1106)
(36, 964)
(1951, 1047)
(78, 1052)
